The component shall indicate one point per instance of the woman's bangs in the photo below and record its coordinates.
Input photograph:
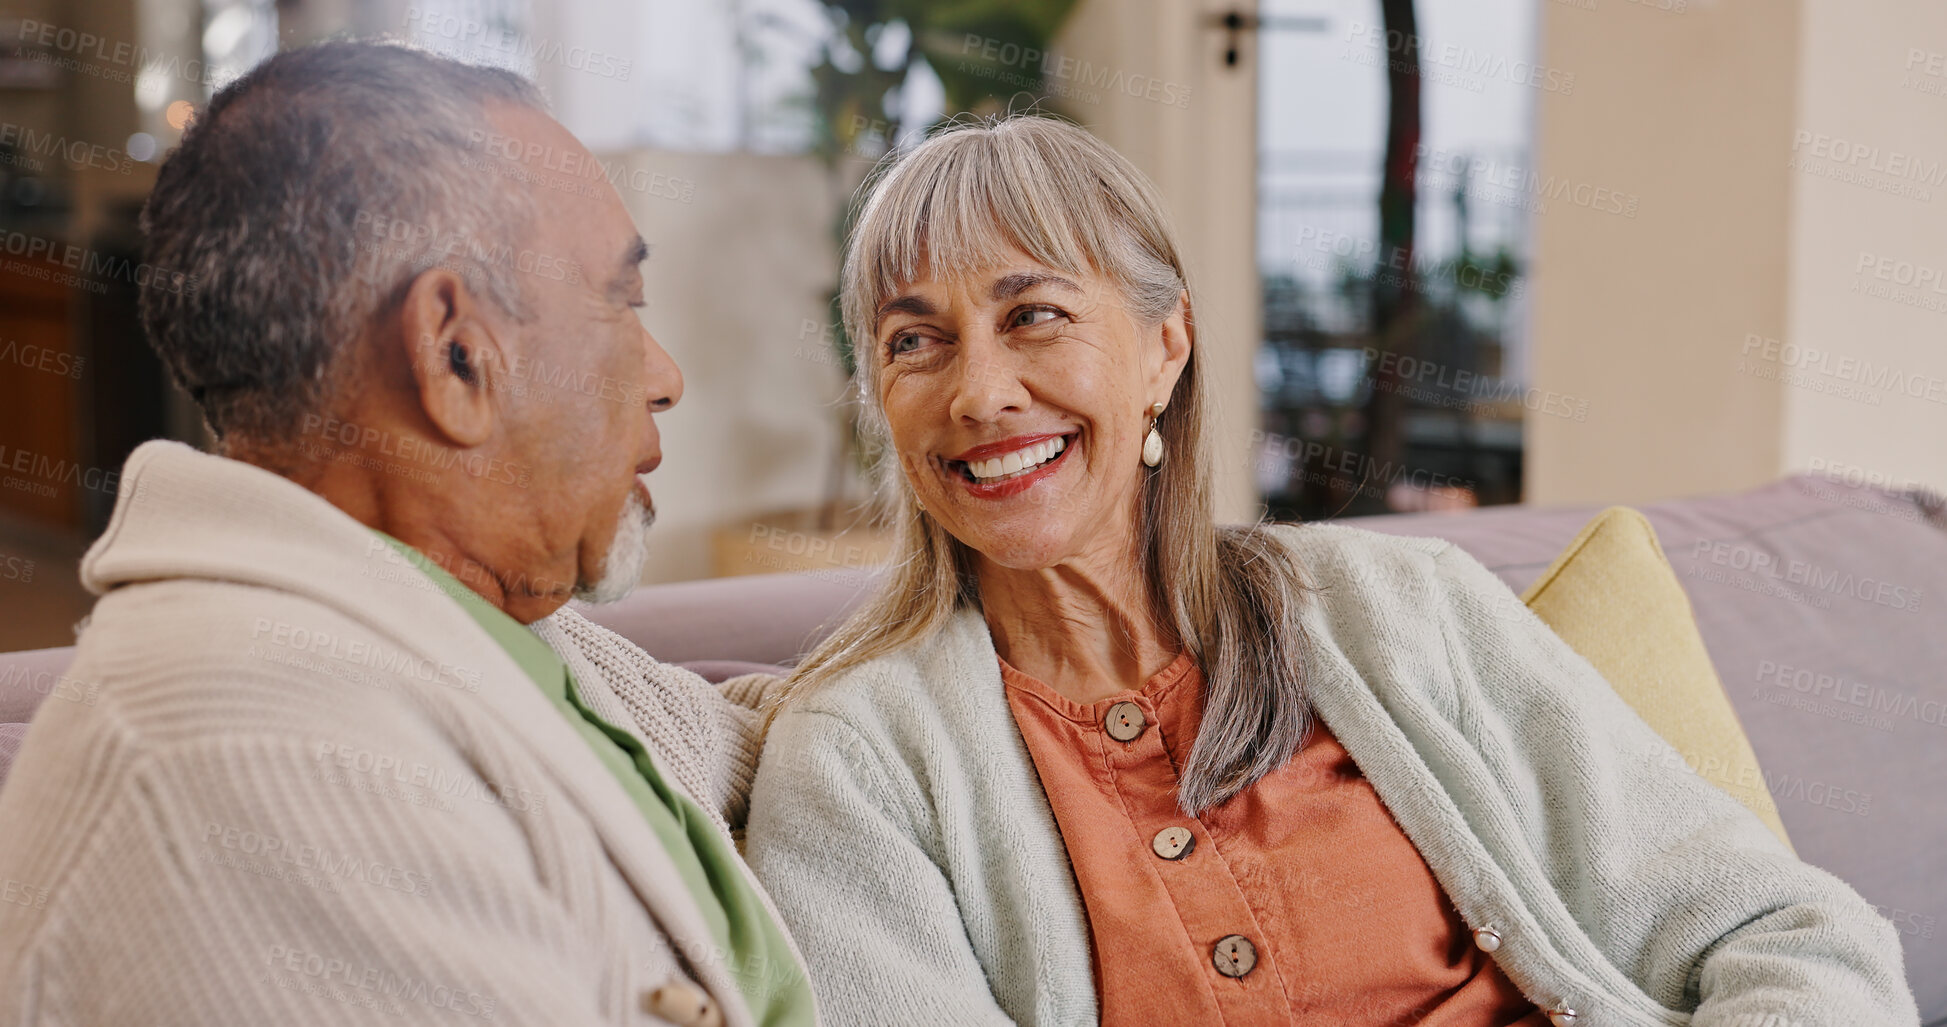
(963, 207)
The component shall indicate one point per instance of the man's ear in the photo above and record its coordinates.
(1167, 360)
(455, 358)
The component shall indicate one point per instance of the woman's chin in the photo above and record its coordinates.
(1032, 550)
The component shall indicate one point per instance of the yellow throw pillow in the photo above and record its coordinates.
(1613, 597)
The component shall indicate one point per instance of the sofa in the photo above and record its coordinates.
(1820, 601)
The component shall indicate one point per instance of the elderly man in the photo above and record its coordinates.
(331, 772)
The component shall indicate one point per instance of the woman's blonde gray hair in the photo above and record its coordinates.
(1229, 595)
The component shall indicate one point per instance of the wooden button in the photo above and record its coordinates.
(1235, 956)
(683, 1004)
(1173, 843)
(1125, 722)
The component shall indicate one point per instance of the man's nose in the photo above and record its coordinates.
(664, 380)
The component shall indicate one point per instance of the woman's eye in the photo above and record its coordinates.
(903, 344)
(1034, 316)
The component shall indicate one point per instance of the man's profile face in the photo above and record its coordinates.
(582, 376)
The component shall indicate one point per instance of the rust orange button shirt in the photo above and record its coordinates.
(1316, 904)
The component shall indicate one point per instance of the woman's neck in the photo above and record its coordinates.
(1085, 626)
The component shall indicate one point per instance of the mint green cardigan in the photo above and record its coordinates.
(898, 824)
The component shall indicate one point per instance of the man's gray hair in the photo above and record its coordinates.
(303, 202)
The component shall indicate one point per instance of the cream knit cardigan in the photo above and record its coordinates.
(307, 788)
(899, 825)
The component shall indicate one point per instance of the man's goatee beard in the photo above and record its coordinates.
(622, 567)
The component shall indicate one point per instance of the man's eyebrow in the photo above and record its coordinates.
(907, 304)
(1010, 286)
(638, 252)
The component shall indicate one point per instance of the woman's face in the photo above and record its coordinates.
(1018, 398)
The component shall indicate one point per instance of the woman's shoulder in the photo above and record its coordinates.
(1358, 569)
(912, 696)
(1327, 551)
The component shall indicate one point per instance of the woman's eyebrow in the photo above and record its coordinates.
(907, 304)
(1010, 286)
(1005, 287)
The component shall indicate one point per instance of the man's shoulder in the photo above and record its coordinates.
(184, 657)
(251, 699)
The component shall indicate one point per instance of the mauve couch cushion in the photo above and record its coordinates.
(27, 678)
(1824, 608)
(717, 672)
(1842, 696)
(759, 618)
(10, 736)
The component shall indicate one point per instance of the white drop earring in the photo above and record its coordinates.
(1153, 443)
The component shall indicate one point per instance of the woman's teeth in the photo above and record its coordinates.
(1018, 462)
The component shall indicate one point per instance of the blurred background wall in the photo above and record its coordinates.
(1777, 303)
(1448, 253)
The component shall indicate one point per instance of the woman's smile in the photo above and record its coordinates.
(998, 470)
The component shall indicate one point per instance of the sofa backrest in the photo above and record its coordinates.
(1823, 605)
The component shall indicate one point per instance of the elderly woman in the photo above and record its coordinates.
(1088, 756)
